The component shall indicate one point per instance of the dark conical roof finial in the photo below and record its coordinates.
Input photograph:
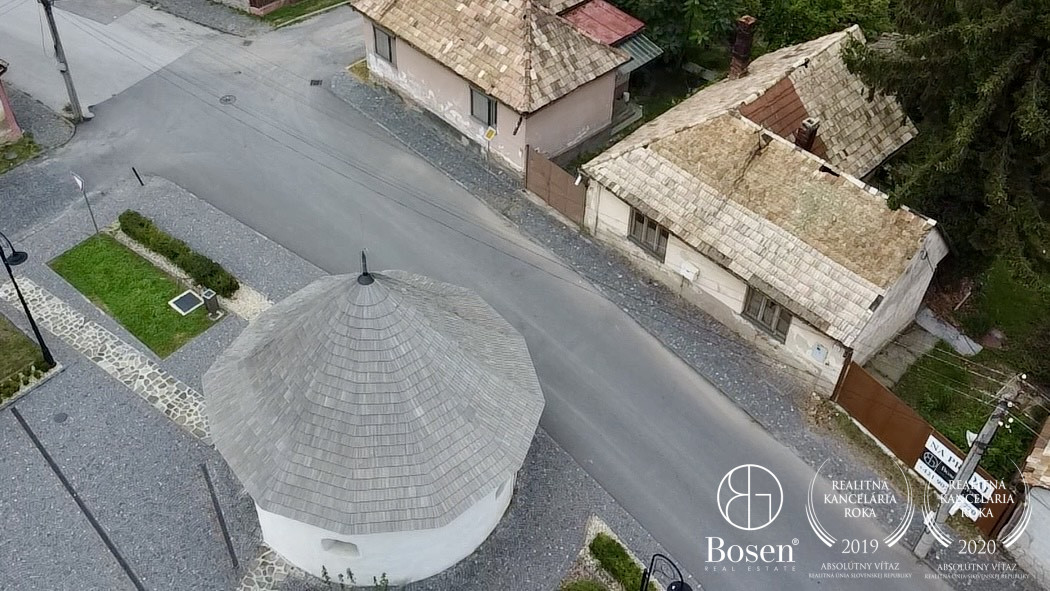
(365, 278)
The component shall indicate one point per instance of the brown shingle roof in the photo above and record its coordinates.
(856, 133)
(774, 214)
(518, 51)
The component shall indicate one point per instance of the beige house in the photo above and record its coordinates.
(745, 199)
(506, 74)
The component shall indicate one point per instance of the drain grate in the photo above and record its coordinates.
(227, 99)
(246, 42)
(315, 83)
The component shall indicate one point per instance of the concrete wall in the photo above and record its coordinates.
(709, 286)
(901, 301)
(1032, 550)
(9, 130)
(403, 556)
(553, 129)
(573, 118)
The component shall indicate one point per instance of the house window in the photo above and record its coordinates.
(648, 234)
(482, 107)
(767, 314)
(384, 44)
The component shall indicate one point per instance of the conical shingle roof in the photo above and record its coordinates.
(374, 407)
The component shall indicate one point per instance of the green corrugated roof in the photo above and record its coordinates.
(642, 51)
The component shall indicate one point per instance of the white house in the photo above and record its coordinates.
(745, 199)
(378, 422)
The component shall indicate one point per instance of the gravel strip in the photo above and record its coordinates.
(213, 15)
(49, 129)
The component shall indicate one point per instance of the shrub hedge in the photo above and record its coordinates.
(617, 562)
(584, 585)
(202, 269)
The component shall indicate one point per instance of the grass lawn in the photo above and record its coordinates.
(19, 350)
(131, 290)
(23, 150)
(940, 389)
(292, 11)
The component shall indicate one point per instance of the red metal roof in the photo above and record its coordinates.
(603, 22)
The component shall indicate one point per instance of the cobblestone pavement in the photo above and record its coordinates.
(49, 129)
(765, 389)
(213, 15)
(176, 400)
(267, 572)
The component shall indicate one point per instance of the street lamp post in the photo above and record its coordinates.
(676, 585)
(17, 258)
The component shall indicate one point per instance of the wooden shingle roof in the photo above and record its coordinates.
(385, 407)
(518, 51)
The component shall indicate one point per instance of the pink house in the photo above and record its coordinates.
(9, 130)
(507, 74)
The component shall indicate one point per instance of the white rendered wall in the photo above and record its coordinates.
(712, 288)
(902, 299)
(404, 556)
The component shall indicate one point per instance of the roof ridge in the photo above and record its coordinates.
(530, 46)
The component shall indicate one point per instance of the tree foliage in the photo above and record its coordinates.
(676, 25)
(679, 25)
(787, 22)
(974, 76)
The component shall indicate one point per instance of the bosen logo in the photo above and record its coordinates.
(750, 497)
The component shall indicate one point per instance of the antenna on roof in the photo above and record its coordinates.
(365, 278)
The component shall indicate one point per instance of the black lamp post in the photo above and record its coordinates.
(678, 584)
(17, 258)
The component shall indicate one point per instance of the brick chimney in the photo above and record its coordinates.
(740, 56)
(806, 134)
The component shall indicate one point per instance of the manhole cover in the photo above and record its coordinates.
(246, 42)
(60, 417)
(315, 83)
(227, 99)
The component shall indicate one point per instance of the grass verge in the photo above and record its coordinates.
(131, 290)
(945, 393)
(20, 354)
(617, 562)
(288, 13)
(22, 150)
(584, 585)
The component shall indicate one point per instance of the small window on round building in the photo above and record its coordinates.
(340, 547)
(501, 488)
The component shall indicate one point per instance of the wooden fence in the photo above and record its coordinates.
(905, 433)
(555, 186)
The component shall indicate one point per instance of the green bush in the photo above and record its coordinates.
(202, 269)
(584, 585)
(617, 562)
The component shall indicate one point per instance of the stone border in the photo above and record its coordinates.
(180, 403)
(33, 384)
(309, 15)
(267, 572)
(246, 302)
(594, 527)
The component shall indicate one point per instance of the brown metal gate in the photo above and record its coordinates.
(555, 186)
(904, 432)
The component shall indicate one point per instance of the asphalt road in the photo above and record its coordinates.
(303, 168)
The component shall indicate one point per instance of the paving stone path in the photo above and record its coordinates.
(266, 574)
(142, 375)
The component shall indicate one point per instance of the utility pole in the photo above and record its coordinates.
(1007, 395)
(63, 65)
